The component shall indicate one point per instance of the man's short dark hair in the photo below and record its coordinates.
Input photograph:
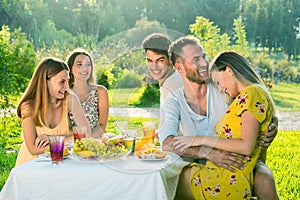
(175, 49)
(157, 42)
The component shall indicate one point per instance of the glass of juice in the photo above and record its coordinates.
(129, 137)
(56, 143)
(79, 132)
(149, 131)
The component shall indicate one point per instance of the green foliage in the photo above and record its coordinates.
(241, 43)
(10, 131)
(213, 41)
(287, 72)
(7, 161)
(112, 21)
(48, 34)
(129, 80)
(284, 161)
(17, 62)
(268, 82)
(264, 63)
(103, 69)
(209, 35)
(150, 96)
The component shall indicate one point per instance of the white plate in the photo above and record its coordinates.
(91, 158)
(152, 159)
(48, 156)
(45, 156)
(106, 158)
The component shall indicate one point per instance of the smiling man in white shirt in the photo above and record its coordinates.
(156, 47)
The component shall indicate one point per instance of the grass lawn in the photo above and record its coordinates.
(124, 97)
(286, 97)
(284, 161)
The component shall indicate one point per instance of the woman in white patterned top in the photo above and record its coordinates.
(93, 98)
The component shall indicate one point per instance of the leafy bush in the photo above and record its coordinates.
(104, 72)
(10, 131)
(129, 80)
(17, 62)
(150, 96)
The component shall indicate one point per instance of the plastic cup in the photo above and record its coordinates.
(129, 137)
(56, 143)
(149, 131)
(120, 126)
(79, 132)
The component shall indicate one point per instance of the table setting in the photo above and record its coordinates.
(105, 168)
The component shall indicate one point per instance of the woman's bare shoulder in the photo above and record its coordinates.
(101, 89)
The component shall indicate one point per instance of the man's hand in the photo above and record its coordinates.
(266, 138)
(181, 143)
(226, 159)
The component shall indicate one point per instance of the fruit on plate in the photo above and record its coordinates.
(106, 136)
(66, 151)
(113, 141)
(85, 154)
(150, 150)
(151, 153)
(142, 144)
(160, 154)
(78, 146)
(98, 148)
(139, 154)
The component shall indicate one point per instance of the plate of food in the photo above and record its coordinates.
(151, 154)
(85, 155)
(95, 149)
(112, 150)
(47, 154)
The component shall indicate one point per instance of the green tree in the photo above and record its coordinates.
(209, 35)
(222, 12)
(241, 44)
(17, 61)
(111, 21)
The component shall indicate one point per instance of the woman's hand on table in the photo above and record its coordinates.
(41, 141)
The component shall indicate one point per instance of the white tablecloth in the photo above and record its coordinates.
(75, 179)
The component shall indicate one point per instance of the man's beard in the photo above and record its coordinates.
(195, 77)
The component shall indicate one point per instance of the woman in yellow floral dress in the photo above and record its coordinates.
(250, 113)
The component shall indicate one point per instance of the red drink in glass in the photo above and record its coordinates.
(56, 143)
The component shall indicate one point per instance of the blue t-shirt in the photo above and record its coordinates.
(177, 118)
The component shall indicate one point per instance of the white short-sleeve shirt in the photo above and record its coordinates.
(171, 84)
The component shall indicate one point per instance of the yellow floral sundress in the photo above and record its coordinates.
(213, 182)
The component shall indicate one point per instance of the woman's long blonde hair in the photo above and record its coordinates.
(241, 69)
(34, 101)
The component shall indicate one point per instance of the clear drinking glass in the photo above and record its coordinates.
(79, 132)
(56, 143)
(129, 137)
(149, 131)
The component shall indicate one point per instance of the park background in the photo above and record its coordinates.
(265, 31)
